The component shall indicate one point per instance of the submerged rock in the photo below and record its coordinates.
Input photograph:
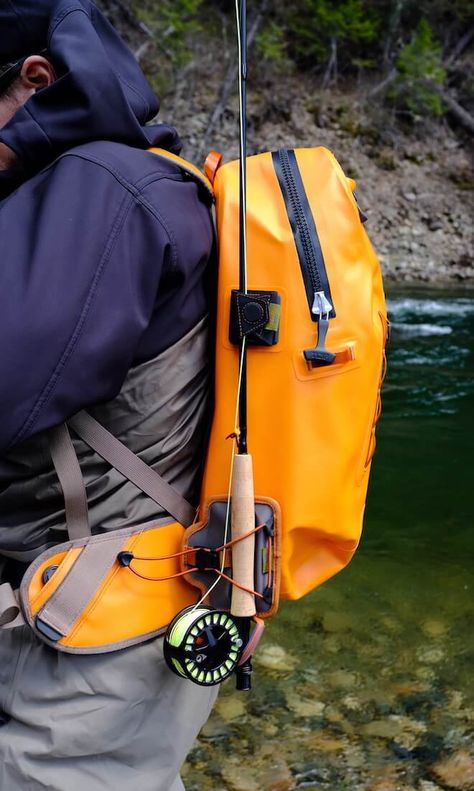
(238, 777)
(381, 729)
(404, 730)
(274, 657)
(426, 674)
(277, 777)
(435, 629)
(351, 702)
(304, 706)
(334, 621)
(341, 678)
(354, 756)
(456, 772)
(230, 708)
(325, 744)
(430, 656)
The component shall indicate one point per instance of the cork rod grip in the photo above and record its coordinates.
(243, 521)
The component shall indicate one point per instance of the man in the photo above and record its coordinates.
(104, 249)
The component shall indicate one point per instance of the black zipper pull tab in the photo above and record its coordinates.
(320, 356)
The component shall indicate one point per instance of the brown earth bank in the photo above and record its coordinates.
(415, 182)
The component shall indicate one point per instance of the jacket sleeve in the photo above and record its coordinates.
(79, 279)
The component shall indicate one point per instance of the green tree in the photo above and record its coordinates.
(172, 24)
(330, 32)
(420, 74)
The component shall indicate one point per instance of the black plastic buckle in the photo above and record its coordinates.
(255, 315)
(207, 559)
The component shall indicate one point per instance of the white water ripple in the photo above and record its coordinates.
(409, 306)
(422, 329)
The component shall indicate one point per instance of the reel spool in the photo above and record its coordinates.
(203, 645)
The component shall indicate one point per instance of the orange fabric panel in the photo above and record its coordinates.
(124, 606)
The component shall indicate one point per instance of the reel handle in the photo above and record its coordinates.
(243, 521)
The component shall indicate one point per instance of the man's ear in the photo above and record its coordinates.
(37, 73)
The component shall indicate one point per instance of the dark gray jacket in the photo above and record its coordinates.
(103, 260)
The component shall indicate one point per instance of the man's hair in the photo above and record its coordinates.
(9, 74)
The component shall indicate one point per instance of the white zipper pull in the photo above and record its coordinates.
(320, 355)
(321, 305)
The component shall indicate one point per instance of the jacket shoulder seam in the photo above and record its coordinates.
(135, 190)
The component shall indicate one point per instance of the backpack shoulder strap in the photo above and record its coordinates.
(117, 455)
(187, 167)
(132, 467)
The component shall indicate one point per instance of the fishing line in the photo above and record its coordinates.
(233, 450)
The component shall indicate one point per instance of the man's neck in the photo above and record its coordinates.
(8, 158)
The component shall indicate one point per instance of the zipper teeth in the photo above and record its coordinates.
(301, 221)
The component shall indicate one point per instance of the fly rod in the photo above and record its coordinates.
(242, 491)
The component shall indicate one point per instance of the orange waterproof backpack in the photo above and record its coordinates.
(316, 324)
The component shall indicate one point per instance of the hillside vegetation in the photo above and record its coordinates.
(387, 84)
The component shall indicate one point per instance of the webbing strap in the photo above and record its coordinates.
(10, 615)
(72, 483)
(70, 599)
(187, 167)
(132, 467)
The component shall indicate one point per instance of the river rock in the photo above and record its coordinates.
(395, 727)
(270, 729)
(303, 706)
(230, 708)
(213, 729)
(391, 624)
(277, 777)
(405, 689)
(354, 756)
(351, 702)
(430, 656)
(455, 700)
(334, 621)
(274, 657)
(434, 628)
(456, 771)
(332, 644)
(425, 673)
(389, 785)
(381, 729)
(325, 744)
(341, 678)
(239, 777)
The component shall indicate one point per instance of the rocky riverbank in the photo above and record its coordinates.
(417, 185)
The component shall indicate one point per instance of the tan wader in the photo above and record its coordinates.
(119, 721)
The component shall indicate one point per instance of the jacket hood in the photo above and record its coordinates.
(100, 94)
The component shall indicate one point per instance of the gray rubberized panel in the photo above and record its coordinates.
(211, 536)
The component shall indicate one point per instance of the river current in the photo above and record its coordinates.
(367, 683)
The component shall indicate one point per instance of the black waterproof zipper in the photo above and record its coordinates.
(305, 234)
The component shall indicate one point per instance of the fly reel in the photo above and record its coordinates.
(203, 645)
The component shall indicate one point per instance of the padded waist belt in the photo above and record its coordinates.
(100, 593)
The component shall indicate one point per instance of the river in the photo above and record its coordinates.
(367, 683)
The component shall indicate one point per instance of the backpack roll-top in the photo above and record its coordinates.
(314, 360)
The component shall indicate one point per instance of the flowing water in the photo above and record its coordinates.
(367, 682)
